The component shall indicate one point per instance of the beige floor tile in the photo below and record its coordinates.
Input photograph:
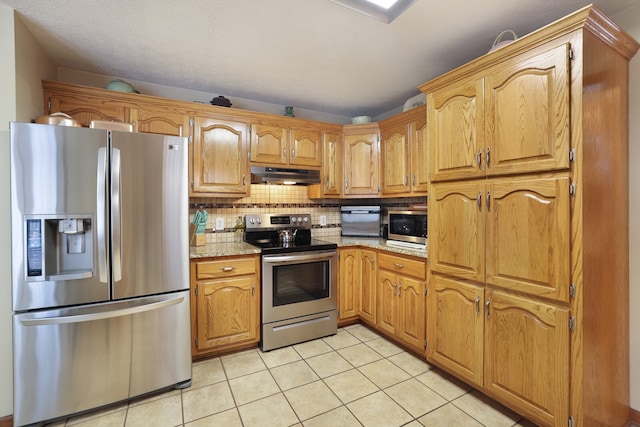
(207, 372)
(413, 423)
(246, 362)
(158, 413)
(341, 340)
(110, 419)
(252, 387)
(312, 348)
(350, 385)
(410, 363)
(338, 417)
(207, 400)
(379, 410)
(448, 416)
(444, 384)
(272, 411)
(363, 333)
(312, 399)
(384, 347)
(328, 364)
(384, 373)
(229, 418)
(360, 354)
(485, 410)
(279, 357)
(415, 397)
(293, 375)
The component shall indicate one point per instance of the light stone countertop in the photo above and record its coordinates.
(211, 250)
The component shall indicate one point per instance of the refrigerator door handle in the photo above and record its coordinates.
(101, 213)
(87, 317)
(116, 214)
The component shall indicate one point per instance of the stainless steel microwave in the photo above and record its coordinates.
(408, 226)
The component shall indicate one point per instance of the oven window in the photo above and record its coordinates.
(300, 282)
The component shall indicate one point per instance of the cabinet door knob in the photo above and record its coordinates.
(397, 265)
(227, 269)
(478, 304)
(486, 307)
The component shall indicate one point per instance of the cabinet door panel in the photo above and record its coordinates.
(349, 282)
(455, 327)
(85, 108)
(527, 108)
(456, 230)
(411, 312)
(528, 236)
(361, 164)
(305, 148)
(269, 144)
(165, 122)
(332, 165)
(386, 313)
(394, 152)
(456, 130)
(419, 155)
(226, 312)
(368, 282)
(219, 157)
(527, 356)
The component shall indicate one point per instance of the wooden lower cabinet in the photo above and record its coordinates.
(348, 283)
(401, 301)
(367, 295)
(225, 304)
(455, 327)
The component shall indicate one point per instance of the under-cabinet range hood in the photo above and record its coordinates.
(278, 175)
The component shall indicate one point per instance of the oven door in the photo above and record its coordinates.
(298, 284)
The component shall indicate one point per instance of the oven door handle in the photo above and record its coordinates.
(289, 258)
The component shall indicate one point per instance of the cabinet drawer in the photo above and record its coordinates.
(225, 268)
(406, 266)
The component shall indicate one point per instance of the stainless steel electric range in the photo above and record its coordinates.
(299, 279)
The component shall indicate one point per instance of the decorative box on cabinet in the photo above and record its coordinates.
(529, 236)
(225, 308)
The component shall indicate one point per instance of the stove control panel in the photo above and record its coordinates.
(277, 221)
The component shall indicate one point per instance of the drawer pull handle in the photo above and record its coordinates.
(398, 265)
(227, 269)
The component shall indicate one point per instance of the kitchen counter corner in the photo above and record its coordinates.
(374, 242)
(222, 249)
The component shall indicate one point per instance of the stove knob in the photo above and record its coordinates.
(299, 220)
(259, 220)
(251, 220)
(306, 219)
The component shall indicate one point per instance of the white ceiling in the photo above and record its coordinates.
(313, 54)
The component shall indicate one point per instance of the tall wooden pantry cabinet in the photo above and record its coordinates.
(528, 285)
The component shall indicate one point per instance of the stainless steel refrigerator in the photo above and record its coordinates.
(99, 268)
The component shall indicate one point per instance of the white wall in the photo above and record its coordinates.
(25, 65)
(630, 21)
(7, 113)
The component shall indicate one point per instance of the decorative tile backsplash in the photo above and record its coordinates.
(267, 198)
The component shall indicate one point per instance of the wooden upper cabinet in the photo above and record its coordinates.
(332, 165)
(419, 153)
(455, 118)
(361, 167)
(86, 108)
(269, 144)
(394, 153)
(455, 327)
(528, 236)
(457, 229)
(166, 122)
(305, 147)
(527, 356)
(220, 157)
(527, 113)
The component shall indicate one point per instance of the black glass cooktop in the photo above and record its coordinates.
(270, 243)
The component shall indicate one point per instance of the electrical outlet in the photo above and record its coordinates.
(219, 223)
(323, 220)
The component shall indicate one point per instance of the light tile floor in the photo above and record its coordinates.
(354, 378)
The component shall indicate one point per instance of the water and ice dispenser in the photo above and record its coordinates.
(59, 248)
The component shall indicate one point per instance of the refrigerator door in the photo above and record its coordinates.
(58, 177)
(75, 359)
(149, 214)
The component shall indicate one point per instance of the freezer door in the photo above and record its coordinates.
(71, 360)
(58, 211)
(149, 214)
